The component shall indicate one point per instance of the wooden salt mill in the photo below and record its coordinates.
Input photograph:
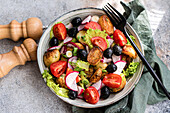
(18, 56)
(32, 27)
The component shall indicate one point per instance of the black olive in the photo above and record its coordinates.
(108, 53)
(72, 32)
(53, 42)
(117, 50)
(72, 94)
(111, 68)
(105, 92)
(76, 21)
(82, 54)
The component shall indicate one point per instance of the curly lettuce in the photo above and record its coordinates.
(55, 87)
(132, 68)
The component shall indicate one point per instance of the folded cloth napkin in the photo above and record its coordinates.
(147, 90)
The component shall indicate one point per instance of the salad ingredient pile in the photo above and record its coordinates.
(88, 59)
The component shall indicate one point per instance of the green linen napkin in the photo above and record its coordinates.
(147, 91)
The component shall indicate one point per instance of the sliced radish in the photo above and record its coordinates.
(106, 60)
(72, 44)
(80, 27)
(68, 39)
(54, 47)
(99, 91)
(98, 85)
(87, 49)
(108, 37)
(80, 90)
(69, 25)
(86, 20)
(102, 85)
(72, 59)
(95, 18)
(80, 96)
(116, 58)
(70, 80)
(110, 41)
(63, 49)
(120, 66)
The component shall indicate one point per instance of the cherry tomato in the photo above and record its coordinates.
(100, 42)
(119, 38)
(68, 70)
(92, 25)
(58, 68)
(78, 79)
(112, 80)
(60, 31)
(91, 95)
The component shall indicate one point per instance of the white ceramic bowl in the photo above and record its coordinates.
(66, 18)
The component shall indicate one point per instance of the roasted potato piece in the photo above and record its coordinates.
(123, 83)
(51, 57)
(94, 56)
(89, 73)
(106, 24)
(61, 81)
(69, 48)
(101, 65)
(79, 36)
(96, 76)
(129, 50)
(80, 45)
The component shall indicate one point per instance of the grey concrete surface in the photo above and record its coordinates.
(23, 89)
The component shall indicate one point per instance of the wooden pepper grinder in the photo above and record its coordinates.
(32, 27)
(18, 56)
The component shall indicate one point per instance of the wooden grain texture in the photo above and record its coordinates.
(32, 27)
(18, 56)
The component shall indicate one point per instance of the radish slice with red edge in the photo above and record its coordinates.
(116, 58)
(120, 66)
(108, 37)
(80, 90)
(99, 91)
(72, 44)
(63, 49)
(68, 39)
(98, 85)
(72, 59)
(80, 27)
(86, 20)
(69, 25)
(110, 41)
(80, 96)
(95, 18)
(54, 47)
(70, 80)
(87, 49)
(106, 60)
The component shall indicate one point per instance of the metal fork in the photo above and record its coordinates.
(120, 23)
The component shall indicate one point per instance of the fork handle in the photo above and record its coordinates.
(148, 66)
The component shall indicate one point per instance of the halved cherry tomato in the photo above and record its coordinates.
(78, 79)
(68, 70)
(60, 31)
(91, 95)
(58, 68)
(119, 38)
(100, 42)
(92, 25)
(112, 80)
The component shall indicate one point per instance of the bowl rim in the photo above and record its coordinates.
(130, 89)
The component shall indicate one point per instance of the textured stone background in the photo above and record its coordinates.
(23, 89)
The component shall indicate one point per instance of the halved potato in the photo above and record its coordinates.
(96, 76)
(79, 36)
(106, 24)
(51, 57)
(130, 51)
(80, 45)
(94, 56)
